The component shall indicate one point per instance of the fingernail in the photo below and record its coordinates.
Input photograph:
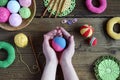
(72, 36)
(55, 30)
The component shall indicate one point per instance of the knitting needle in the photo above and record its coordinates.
(58, 8)
(63, 3)
(52, 8)
(47, 8)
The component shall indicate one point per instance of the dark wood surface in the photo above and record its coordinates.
(84, 56)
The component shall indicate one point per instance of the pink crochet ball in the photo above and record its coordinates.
(86, 30)
(4, 14)
(15, 20)
(58, 44)
(92, 41)
(25, 3)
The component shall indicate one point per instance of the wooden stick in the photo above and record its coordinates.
(36, 58)
(63, 3)
(58, 8)
(52, 8)
(47, 8)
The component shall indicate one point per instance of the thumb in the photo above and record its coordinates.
(46, 40)
(71, 42)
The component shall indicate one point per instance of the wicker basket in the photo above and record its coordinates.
(25, 22)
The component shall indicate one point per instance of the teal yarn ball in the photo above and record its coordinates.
(11, 54)
(3, 2)
(25, 12)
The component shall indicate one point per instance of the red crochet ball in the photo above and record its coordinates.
(92, 41)
(86, 30)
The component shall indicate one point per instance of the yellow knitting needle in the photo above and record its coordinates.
(47, 8)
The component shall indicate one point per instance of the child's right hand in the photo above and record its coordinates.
(48, 51)
(69, 51)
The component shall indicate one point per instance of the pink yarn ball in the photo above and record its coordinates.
(15, 20)
(25, 3)
(4, 14)
(58, 44)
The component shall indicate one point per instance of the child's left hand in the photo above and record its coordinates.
(48, 51)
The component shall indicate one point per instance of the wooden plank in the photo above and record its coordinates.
(83, 59)
(82, 11)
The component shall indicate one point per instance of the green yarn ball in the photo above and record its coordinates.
(25, 12)
(3, 2)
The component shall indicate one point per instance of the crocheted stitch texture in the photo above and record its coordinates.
(67, 7)
(107, 68)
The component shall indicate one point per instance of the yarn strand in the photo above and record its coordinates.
(46, 8)
(33, 50)
(36, 59)
(21, 59)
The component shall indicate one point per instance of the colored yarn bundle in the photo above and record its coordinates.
(107, 68)
(58, 44)
(92, 41)
(21, 40)
(4, 14)
(11, 54)
(13, 11)
(86, 30)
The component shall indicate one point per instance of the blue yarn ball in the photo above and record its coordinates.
(58, 44)
(13, 6)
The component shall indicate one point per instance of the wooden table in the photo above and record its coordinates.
(84, 56)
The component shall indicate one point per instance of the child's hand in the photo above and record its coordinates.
(48, 51)
(69, 51)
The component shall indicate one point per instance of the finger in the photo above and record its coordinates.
(60, 34)
(46, 40)
(65, 33)
(71, 43)
(57, 28)
(51, 34)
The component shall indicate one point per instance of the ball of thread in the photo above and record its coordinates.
(92, 41)
(25, 3)
(15, 20)
(21, 40)
(25, 12)
(4, 14)
(13, 6)
(86, 30)
(3, 2)
(58, 44)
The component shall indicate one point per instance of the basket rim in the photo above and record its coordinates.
(21, 27)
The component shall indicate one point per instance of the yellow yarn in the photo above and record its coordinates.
(110, 26)
(21, 40)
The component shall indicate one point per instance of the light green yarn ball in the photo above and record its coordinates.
(3, 2)
(25, 12)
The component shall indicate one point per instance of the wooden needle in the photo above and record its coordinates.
(34, 52)
(63, 3)
(52, 8)
(47, 8)
(58, 8)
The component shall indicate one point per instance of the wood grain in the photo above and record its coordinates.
(82, 11)
(84, 56)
